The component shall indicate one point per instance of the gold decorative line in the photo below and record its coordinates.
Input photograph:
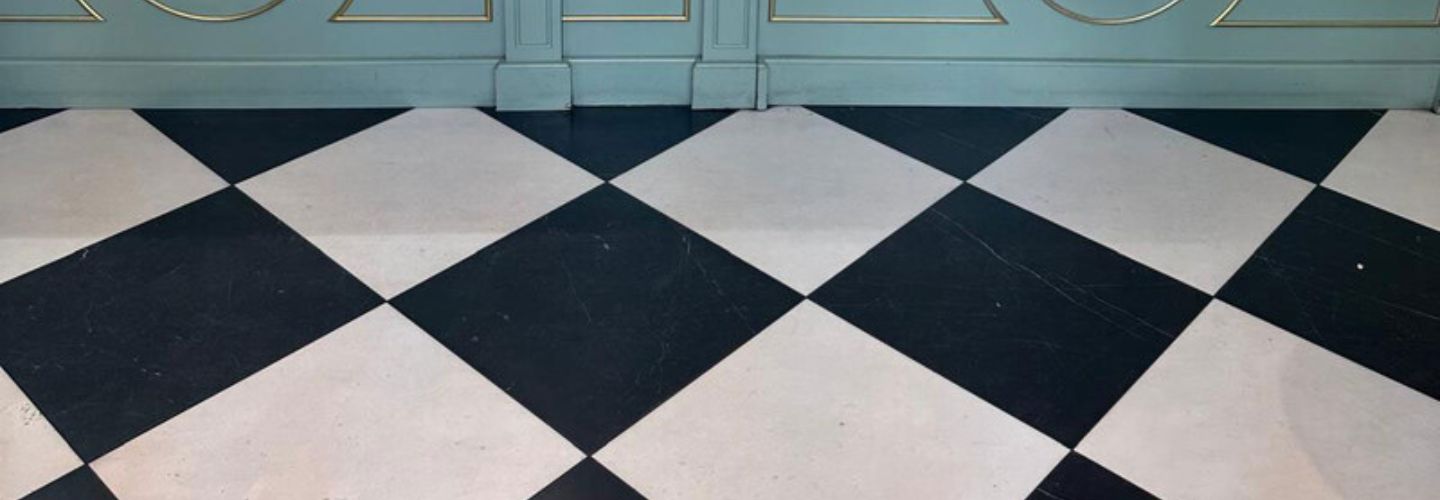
(995, 18)
(684, 16)
(343, 15)
(1224, 21)
(220, 18)
(1110, 21)
(90, 16)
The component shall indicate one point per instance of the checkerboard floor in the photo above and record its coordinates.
(822, 303)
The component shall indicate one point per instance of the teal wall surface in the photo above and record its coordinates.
(552, 54)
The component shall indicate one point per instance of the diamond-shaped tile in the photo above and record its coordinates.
(1179, 205)
(959, 141)
(11, 118)
(1354, 279)
(241, 143)
(1039, 321)
(376, 409)
(588, 481)
(1238, 408)
(1079, 478)
(795, 194)
(74, 178)
(814, 408)
(31, 453)
(1396, 167)
(597, 312)
(1306, 143)
(399, 202)
(608, 141)
(124, 334)
(79, 484)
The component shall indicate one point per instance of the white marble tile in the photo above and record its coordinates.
(77, 177)
(31, 453)
(789, 191)
(1396, 167)
(1239, 409)
(376, 409)
(1177, 204)
(815, 408)
(401, 201)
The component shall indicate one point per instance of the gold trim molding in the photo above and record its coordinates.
(1111, 21)
(215, 18)
(995, 18)
(90, 16)
(343, 15)
(1224, 21)
(684, 16)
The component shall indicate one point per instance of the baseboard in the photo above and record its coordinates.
(1100, 84)
(725, 85)
(532, 86)
(680, 81)
(236, 84)
(631, 81)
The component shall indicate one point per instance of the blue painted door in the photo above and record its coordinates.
(1254, 53)
(551, 54)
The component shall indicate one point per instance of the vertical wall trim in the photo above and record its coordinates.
(728, 71)
(534, 74)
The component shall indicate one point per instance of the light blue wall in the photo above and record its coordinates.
(550, 54)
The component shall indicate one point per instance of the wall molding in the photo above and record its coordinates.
(683, 16)
(90, 16)
(343, 15)
(215, 18)
(1111, 21)
(1224, 21)
(995, 18)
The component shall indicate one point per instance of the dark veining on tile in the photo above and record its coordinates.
(1041, 322)
(596, 313)
(120, 336)
(1354, 279)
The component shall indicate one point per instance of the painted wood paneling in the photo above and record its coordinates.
(549, 54)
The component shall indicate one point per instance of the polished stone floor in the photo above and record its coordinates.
(801, 303)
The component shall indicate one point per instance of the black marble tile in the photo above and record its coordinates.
(1039, 321)
(609, 141)
(1306, 143)
(597, 312)
(1078, 478)
(120, 336)
(959, 141)
(1353, 279)
(79, 484)
(588, 480)
(11, 118)
(241, 143)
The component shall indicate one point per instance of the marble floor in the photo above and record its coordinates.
(801, 303)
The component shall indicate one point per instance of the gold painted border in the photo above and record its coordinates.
(208, 18)
(90, 16)
(1224, 21)
(684, 16)
(1110, 21)
(342, 15)
(995, 18)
